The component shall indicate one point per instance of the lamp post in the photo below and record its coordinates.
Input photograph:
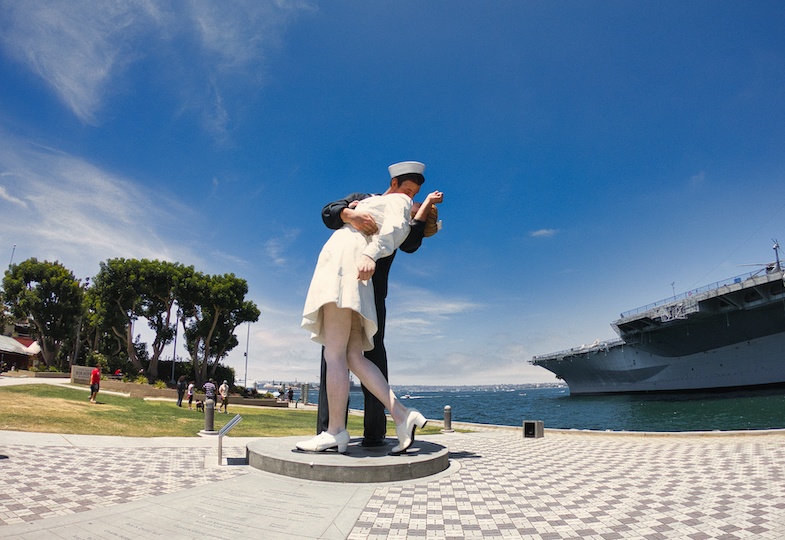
(174, 351)
(247, 340)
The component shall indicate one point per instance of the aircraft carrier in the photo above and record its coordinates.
(730, 334)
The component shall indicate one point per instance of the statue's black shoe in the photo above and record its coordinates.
(373, 443)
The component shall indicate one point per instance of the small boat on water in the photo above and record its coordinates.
(730, 334)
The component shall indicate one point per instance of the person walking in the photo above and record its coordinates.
(190, 393)
(209, 390)
(95, 383)
(182, 385)
(223, 391)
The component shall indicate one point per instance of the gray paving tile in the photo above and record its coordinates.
(499, 485)
(574, 486)
(42, 482)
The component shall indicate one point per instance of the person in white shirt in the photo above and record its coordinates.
(223, 391)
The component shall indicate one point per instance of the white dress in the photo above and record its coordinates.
(335, 276)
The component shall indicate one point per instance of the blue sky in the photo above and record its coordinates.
(595, 157)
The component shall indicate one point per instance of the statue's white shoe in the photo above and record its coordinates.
(405, 430)
(324, 441)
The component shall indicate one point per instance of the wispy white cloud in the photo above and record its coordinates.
(7, 197)
(276, 248)
(75, 46)
(544, 233)
(277, 344)
(697, 179)
(414, 313)
(443, 308)
(63, 207)
(236, 34)
(411, 299)
(81, 48)
(415, 328)
(502, 358)
(220, 259)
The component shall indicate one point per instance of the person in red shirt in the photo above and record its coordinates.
(95, 381)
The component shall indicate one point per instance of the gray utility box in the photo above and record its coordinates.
(533, 429)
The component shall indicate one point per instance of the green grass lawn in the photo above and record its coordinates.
(56, 409)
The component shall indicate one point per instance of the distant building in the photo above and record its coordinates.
(17, 353)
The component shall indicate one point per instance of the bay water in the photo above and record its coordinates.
(510, 406)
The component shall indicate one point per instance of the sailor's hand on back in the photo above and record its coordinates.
(360, 220)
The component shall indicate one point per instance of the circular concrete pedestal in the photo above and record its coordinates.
(358, 465)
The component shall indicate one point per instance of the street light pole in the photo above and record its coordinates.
(174, 352)
(247, 340)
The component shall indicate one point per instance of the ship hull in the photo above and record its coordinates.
(625, 368)
(728, 336)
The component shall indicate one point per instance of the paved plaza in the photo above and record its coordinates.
(568, 484)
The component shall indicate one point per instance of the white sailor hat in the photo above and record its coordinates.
(405, 167)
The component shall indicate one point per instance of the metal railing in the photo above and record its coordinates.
(597, 346)
(692, 293)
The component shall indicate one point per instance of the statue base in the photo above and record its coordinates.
(358, 464)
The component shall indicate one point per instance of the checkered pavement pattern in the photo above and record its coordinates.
(37, 483)
(573, 486)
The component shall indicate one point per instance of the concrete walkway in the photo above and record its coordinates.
(567, 484)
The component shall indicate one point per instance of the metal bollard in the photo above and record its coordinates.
(447, 420)
(209, 415)
(533, 429)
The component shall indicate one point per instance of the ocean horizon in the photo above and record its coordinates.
(511, 404)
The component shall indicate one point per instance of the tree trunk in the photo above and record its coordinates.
(152, 369)
(47, 354)
(46, 351)
(129, 345)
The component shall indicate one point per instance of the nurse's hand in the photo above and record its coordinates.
(365, 268)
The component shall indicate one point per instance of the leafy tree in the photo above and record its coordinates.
(5, 317)
(100, 360)
(48, 295)
(212, 307)
(127, 289)
(99, 334)
(75, 343)
(158, 293)
(124, 290)
(116, 299)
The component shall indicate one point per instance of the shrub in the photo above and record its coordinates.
(159, 384)
(140, 379)
(98, 359)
